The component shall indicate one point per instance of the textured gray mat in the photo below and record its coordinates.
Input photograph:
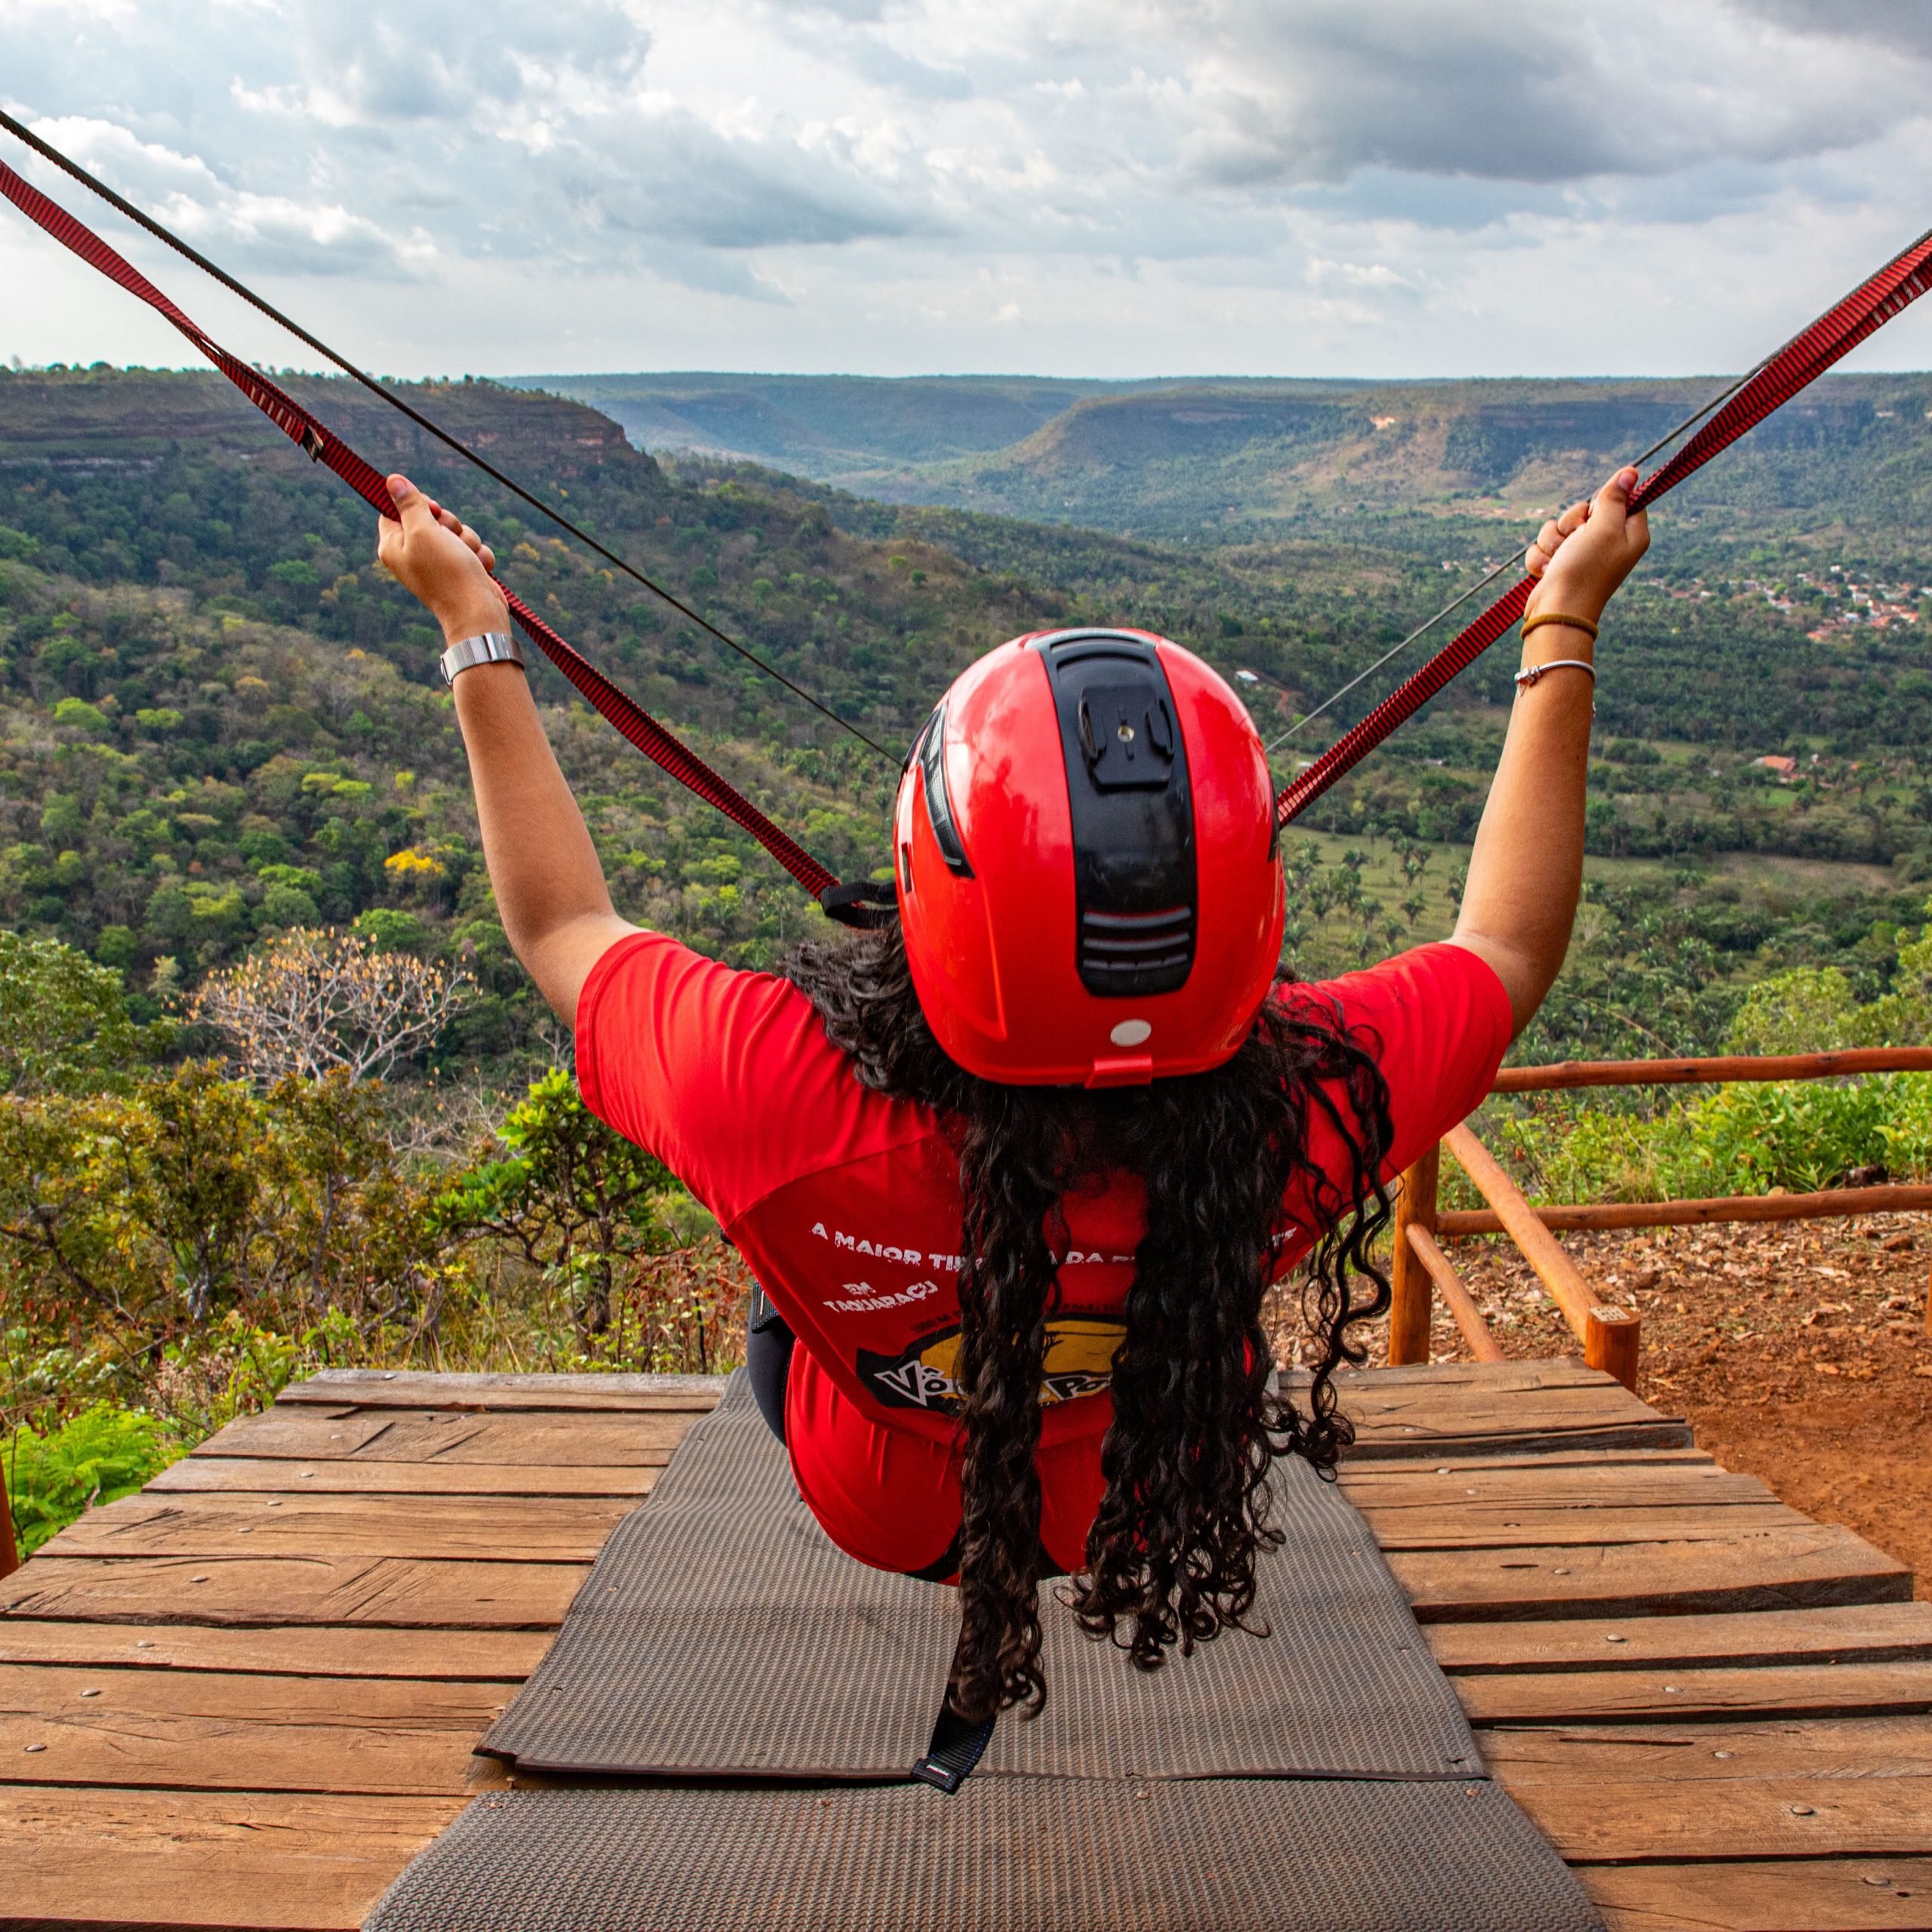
(1007, 1854)
(721, 1634)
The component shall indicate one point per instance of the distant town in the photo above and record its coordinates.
(1842, 602)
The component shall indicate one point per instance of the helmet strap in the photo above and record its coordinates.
(863, 902)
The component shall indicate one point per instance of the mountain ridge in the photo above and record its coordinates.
(1235, 460)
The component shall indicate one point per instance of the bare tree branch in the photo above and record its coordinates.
(312, 1003)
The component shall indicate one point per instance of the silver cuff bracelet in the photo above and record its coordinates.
(487, 647)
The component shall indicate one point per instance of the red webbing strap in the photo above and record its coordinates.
(325, 447)
(1806, 356)
(1408, 697)
(664, 750)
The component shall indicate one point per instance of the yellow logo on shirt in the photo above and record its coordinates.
(1079, 1361)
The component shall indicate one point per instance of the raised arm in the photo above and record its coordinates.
(549, 884)
(1527, 865)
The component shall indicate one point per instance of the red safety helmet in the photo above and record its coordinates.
(1089, 878)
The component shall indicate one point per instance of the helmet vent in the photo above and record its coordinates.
(1132, 804)
(930, 755)
(1127, 953)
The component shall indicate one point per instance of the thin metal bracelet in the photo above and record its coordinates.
(1529, 673)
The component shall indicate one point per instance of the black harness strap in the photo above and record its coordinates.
(956, 1747)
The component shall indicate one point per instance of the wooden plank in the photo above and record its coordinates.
(1420, 1417)
(187, 1860)
(1537, 1372)
(480, 1529)
(1476, 1526)
(1867, 1747)
(701, 1391)
(362, 1476)
(420, 1392)
(1567, 1696)
(200, 1730)
(1592, 1484)
(406, 1593)
(1775, 1569)
(1475, 1411)
(1371, 1446)
(1597, 1822)
(1632, 1462)
(503, 1656)
(431, 1436)
(1810, 1895)
(1853, 1633)
(378, 1388)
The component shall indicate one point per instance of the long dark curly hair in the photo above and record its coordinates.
(1170, 1556)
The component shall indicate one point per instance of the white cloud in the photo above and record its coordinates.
(279, 232)
(1129, 185)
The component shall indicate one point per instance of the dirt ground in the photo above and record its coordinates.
(1798, 1351)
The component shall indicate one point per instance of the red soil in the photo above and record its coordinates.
(1797, 1352)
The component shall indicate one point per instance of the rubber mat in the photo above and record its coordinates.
(1007, 1854)
(721, 1634)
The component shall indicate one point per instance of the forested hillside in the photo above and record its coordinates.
(223, 722)
(231, 791)
(828, 426)
(1417, 466)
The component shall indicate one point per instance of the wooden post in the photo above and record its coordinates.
(1928, 1303)
(10, 1556)
(1612, 1338)
(1609, 1335)
(1455, 1293)
(1410, 1287)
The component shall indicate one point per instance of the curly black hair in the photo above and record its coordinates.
(1170, 1556)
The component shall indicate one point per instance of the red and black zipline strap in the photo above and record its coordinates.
(850, 903)
(1806, 356)
(93, 182)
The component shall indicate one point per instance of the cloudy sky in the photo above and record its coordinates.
(1080, 187)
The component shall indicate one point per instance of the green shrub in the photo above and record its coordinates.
(391, 929)
(102, 1454)
(1802, 1135)
(1812, 1009)
(1748, 1139)
(79, 715)
(285, 907)
(574, 1196)
(63, 1022)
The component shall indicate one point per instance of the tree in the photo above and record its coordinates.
(573, 1196)
(193, 1193)
(63, 1024)
(315, 1002)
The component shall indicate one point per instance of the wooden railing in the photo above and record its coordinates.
(10, 1556)
(1611, 1336)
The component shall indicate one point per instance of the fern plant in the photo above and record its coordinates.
(100, 1455)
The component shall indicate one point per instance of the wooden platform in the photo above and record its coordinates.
(247, 1697)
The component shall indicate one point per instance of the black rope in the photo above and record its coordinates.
(49, 152)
